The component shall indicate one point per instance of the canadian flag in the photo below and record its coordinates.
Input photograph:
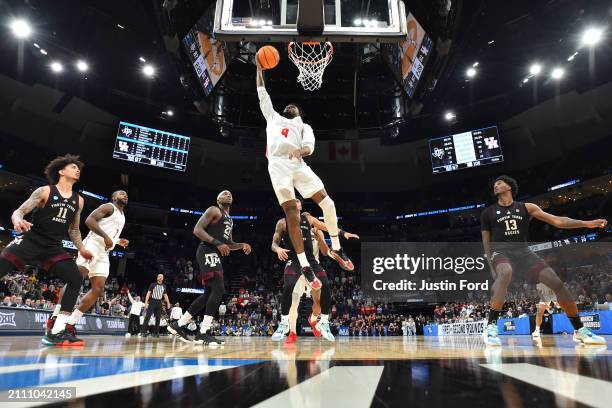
(346, 151)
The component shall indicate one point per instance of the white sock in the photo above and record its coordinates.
(185, 319)
(313, 318)
(56, 310)
(285, 319)
(74, 317)
(324, 318)
(60, 323)
(537, 328)
(206, 323)
(331, 220)
(303, 261)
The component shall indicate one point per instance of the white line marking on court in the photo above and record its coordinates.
(586, 390)
(31, 367)
(98, 385)
(340, 386)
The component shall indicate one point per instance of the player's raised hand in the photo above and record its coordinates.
(22, 226)
(597, 223)
(348, 235)
(224, 250)
(123, 242)
(246, 248)
(282, 253)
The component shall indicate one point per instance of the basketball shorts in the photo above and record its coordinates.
(209, 261)
(293, 272)
(23, 251)
(524, 262)
(290, 175)
(100, 264)
(546, 294)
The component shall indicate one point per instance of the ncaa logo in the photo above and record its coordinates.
(98, 323)
(7, 319)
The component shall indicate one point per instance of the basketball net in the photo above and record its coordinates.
(311, 59)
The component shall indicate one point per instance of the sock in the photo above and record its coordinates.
(493, 316)
(331, 220)
(206, 323)
(185, 319)
(335, 242)
(576, 322)
(56, 310)
(324, 318)
(74, 317)
(537, 328)
(285, 319)
(60, 323)
(313, 318)
(303, 261)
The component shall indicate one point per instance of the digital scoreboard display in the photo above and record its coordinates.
(463, 150)
(154, 147)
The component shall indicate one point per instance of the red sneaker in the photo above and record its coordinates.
(50, 323)
(313, 324)
(342, 259)
(291, 338)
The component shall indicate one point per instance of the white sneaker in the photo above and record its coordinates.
(323, 327)
(281, 332)
(535, 334)
(490, 336)
(586, 336)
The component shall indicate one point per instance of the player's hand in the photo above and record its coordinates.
(282, 254)
(246, 248)
(597, 223)
(296, 154)
(224, 250)
(348, 235)
(108, 243)
(86, 253)
(22, 226)
(123, 242)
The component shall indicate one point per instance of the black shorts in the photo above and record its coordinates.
(23, 251)
(525, 263)
(209, 261)
(293, 271)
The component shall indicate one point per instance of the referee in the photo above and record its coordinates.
(156, 292)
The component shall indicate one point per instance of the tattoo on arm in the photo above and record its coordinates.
(278, 233)
(32, 202)
(74, 232)
(568, 223)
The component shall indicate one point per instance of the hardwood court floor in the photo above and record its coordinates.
(351, 372)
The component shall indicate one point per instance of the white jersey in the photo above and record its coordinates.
(111, 225)
(283, 135)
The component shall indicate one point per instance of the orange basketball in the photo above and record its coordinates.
(268, 57)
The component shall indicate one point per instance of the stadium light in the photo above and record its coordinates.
(21, 28)
(148, 70)
(56, 67)
(525, 80)
(43, 51)
(557, 73)
(142, 59)
(357, 22)
(535, 69)
(592, 36)
(448, 116)
(475, 64)
(471, 72)
(82, 66)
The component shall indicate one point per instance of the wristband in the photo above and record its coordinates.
(341, 232)
(216, 242)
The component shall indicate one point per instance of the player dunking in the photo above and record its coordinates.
(505, 226)
(293, 280)
(56, 211)
(289, 139)
(214, 229)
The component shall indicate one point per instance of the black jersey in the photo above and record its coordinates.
(51, 222)
(509, 225)
(306, 236)
(220, 230)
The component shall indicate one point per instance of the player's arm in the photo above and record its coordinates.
(236, 246)
(485, 231)
(74, 232)
(308, 144)
(280, 229)
(92, 222)
(36, 199)
(562, 222)
(130, 297)
(212, 214)
(265, 103)
(319, 225)
(322, 244)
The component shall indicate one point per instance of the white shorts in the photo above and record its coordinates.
(546, 294)
(99, 265)
(290, 175)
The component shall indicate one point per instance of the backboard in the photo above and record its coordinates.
(356, 21)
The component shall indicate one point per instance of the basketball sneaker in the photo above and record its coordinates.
(50, 323)
(586, 336)
(536, 334)
(179, 332)
(291, 338)
(208, 339)
(311, 279)
(62, 339)
(323, 327)
(342, 259)
(281, 331)
(491, 335)
(313, 324)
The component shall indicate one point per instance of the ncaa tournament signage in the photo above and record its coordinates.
(462, 329)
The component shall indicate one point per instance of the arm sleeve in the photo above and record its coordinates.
(308, 139)
(485, 221)
(265, 103)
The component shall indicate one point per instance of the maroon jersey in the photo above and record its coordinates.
(51, 222)
(509, 225)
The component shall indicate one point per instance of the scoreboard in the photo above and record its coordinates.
(463, 150)
(153, 147)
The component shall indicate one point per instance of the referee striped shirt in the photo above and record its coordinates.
(157, 291)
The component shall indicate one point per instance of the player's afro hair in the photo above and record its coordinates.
(53, 168)
(299, 108)
(509, 181)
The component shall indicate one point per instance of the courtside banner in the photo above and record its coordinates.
(14, 319)
(462, 328)
(424, 272)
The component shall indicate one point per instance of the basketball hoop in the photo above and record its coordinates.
(311, 59)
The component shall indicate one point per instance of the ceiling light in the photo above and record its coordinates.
(21, 28)
(169, 112)
(142, 59)
(592, 36)
(357, 22)
(535, 69)
(269, 22)
(56, 67)
(557, 73)
(475, 64)
(121, 27)
(491, 42)
(571, 57)
(148, 70)
(43, 51)
(448, 116)
(525, 80)
(471, 73)
(82, 65)
(262, 22)
(36, 45)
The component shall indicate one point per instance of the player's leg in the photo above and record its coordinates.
(216, 287)
(296, 296)
(538, 319)
(144, 329)
(325, 302)
(548, 277)
(290, 278)
(158, 312)
(503, 276)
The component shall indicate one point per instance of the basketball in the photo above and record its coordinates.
(268, 57)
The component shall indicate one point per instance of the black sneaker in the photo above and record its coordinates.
(179, 332)
(207, 338)
(62, 339)
(311, 279)
(342, 259)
